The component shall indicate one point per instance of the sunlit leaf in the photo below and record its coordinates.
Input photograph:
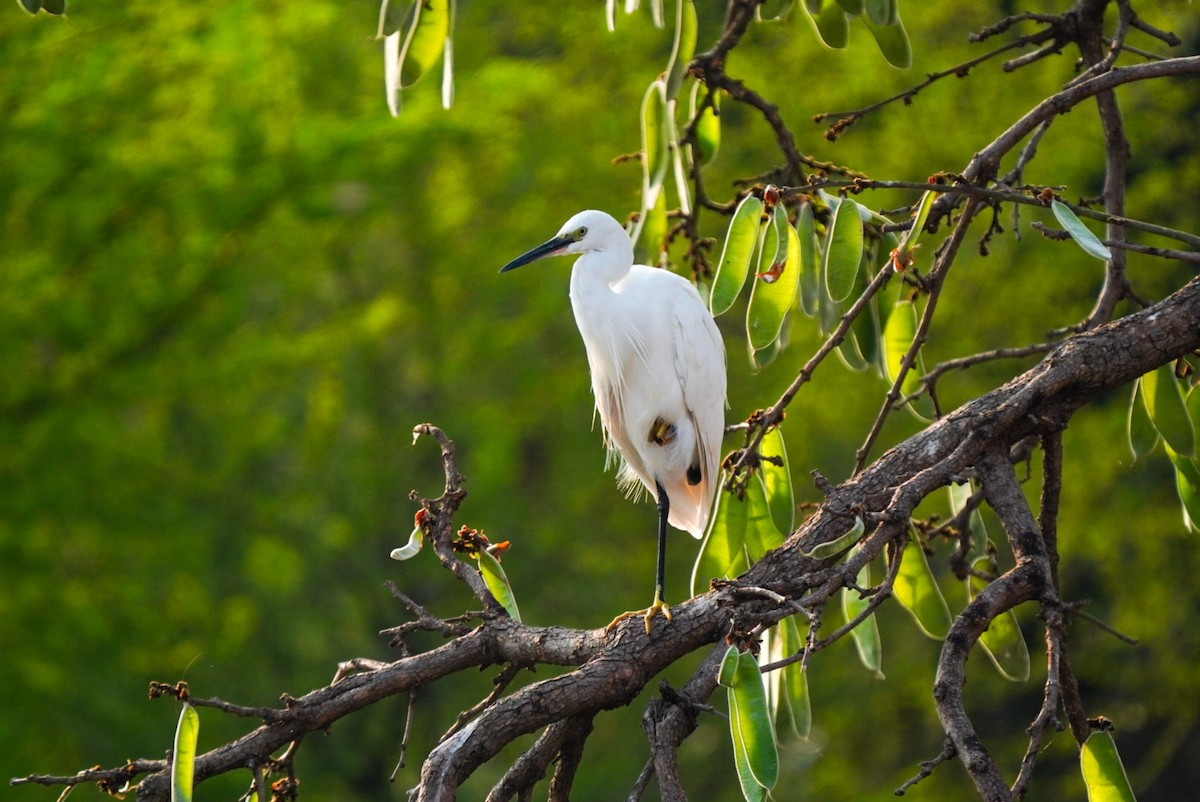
(416, 540)
(654, 141)
(832, 547)
(771, 650)
(448, 60)
(183, 755)
(832, 25)
(708, 126)
(774, 289)
(391, 71)
(1167, 410)
(1139, 429)
(497, 582)
(684, 46)
(723, 551)
(898, 334)
(866, 634)
(1103, 772)
(1082, 235)
(425, 40)
(656, 13)
(777, 480)
(1002, 640)
(740, 243)
(892, 40)
(810, 264)
(920, 217)
(1187, 485)
(918, 592)
(844, 249)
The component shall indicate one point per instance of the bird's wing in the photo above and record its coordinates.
(608, 386)
(700, 366)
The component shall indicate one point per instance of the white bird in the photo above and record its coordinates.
(658, 375)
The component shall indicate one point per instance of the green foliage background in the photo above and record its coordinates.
(230, 284)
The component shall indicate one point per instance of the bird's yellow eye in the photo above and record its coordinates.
(581, 233)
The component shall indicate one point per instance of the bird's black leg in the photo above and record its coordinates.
(660, 573)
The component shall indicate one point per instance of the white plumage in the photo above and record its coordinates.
(658, 369)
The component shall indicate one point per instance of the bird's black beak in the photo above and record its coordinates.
(545, 249)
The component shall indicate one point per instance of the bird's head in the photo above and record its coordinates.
(585, 232)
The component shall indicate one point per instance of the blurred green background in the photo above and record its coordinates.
(230, 284)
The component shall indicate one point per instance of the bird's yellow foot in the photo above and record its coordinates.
(647, 615)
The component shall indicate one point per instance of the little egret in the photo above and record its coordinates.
(658, 375)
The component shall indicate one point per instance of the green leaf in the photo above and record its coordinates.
(727, 672)
(448, 59)
(652, 232)
(1139, 429)
(751, 790)
(723, 552)
(391, 71)
(654, 142)
(778, 277)
(882, 12)
(760, 533)
(416, 540)
(892, 40)
(497, 582)
(56, 7)
(183, 756)
(833, 26)
(898, 335)
(1187, 485)
(795, 678)
(708, 125)
(852, 7)
(1002, 640)
(740, 242)
(810, 254)
(918, 592)
(844, 249)
(750, 723)
(778, 482)
(684, 46)
(920, 217)
(866, 634)
(832, 547)
(959, 496)
(1103, 773)
(860, 349)
(773, 10)
(1165, 405)
(425, 40)
(1082, 235)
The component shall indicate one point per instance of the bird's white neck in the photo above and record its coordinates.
(606, 267)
